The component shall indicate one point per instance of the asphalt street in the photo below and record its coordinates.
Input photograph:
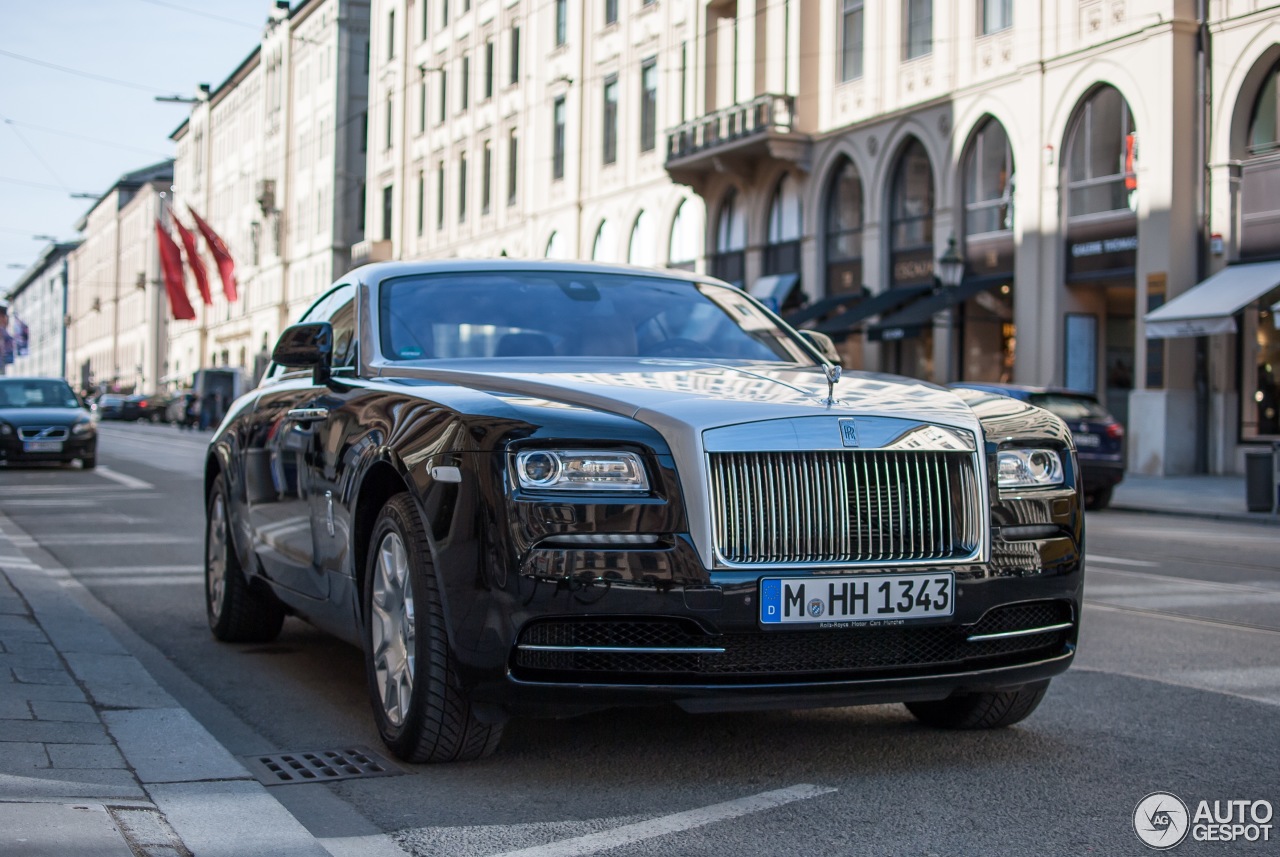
(1176, 688)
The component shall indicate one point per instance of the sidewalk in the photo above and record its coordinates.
(1215, 497)
(95, 757)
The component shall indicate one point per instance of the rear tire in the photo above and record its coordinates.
(988, 710)
(89, 462)
(1099, 499)
(237, 612)
(418, 703)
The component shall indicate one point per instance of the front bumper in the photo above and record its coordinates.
(13, 451)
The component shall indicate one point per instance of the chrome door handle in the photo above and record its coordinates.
(308, 415)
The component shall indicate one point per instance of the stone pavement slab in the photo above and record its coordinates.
(57, 830)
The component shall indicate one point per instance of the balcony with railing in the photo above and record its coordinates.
(763, 127)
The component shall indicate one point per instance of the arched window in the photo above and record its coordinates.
(555, 247)
(602, 248)
(786, 225)
(1101, 155)
(1264, 126)
(911, 217)
(641, 249)
(685, 238)
(988, 181)
(728, 262)
(844, 229)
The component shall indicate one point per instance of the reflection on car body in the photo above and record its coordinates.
(535, 488)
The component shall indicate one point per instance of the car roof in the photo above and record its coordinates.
(380, 270)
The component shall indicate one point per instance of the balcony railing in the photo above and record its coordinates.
(761, 115)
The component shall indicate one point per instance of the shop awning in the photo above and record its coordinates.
(772, 290)
(821, 307)
(1210, 306)
(885, 301)
(913, 318)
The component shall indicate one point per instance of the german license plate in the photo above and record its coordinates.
(42, 446)
(856, 598)
(1090, 440)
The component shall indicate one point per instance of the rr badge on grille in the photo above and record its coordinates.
(848, 432)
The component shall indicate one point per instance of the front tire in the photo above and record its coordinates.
(1099, 499)
(421, 712)
(89, 462)
(987, 710)
(237, 612)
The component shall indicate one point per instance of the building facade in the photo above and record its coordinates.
(117, 313)
(273, 159)
(530, 129)
(39, 300)
(1060, 146)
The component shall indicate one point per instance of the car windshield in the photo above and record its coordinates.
(1070, 407)
(486, 314)
(36, 393)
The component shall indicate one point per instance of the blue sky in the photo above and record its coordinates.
(64, 133)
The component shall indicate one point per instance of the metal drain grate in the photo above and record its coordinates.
(313, 766)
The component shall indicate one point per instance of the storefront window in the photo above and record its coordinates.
(685, 238)
(728, 262)
(1263, 400)
(1264, 129)
(985, 333)
(786, 224)
(989, 181)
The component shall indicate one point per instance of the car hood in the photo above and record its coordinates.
(700, 393)
(19, 417)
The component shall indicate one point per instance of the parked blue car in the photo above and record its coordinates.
(1099, 437)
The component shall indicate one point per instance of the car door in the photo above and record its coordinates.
(278, 479)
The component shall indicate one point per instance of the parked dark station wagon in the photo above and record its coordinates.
(539, 489)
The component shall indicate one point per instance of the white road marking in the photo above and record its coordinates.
(124, 479)
(17, 562)
(680, 821)
(116, 539)
(1090, 557)
(147, 580)
(1183, 581)
(136, 570)
(75, 502)
(1223, 624)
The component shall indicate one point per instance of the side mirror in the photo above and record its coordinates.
(306, 346)
(823, 343)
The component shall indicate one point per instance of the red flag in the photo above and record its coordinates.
(221, 255)
(194, 262)
(171, 267)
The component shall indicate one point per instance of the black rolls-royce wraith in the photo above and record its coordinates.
(532, 488)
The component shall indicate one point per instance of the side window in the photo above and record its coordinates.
(318, 311)
(343, 319)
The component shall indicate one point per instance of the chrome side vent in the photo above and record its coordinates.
(855, 506)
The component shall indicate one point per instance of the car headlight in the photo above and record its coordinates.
(82, 427)
(580, 470)
(5, 429)
(1028, 468)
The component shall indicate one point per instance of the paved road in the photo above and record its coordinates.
(1176, 688)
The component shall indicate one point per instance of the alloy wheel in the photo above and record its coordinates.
(392, 628)
(216, 556)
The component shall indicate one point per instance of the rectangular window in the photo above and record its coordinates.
(422, 202)
(562, 22)
(557, 140)
(422, 106)
(684, 80)
(426, 20)
(649, 105)
(610, 12)
(851, 40)
(462, 188)
(466, 82)
(486, 178)
(513, 166)
(919, 29)
(360, 214)
(443, 112)
(444, 13)
(997, 15)
(488, 69)
(440, 195)
(364, 131)
(391, 34)
(610, 125)
(386, 213)
(389, 122)
(515, 55)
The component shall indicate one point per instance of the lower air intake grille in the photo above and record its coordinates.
(781, 655)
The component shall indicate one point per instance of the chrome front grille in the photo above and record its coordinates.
(845, 506)
(42, 433)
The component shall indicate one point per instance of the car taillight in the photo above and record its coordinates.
(1115, 431)
(142, 404)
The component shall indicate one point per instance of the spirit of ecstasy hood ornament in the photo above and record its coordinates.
(832, 371)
